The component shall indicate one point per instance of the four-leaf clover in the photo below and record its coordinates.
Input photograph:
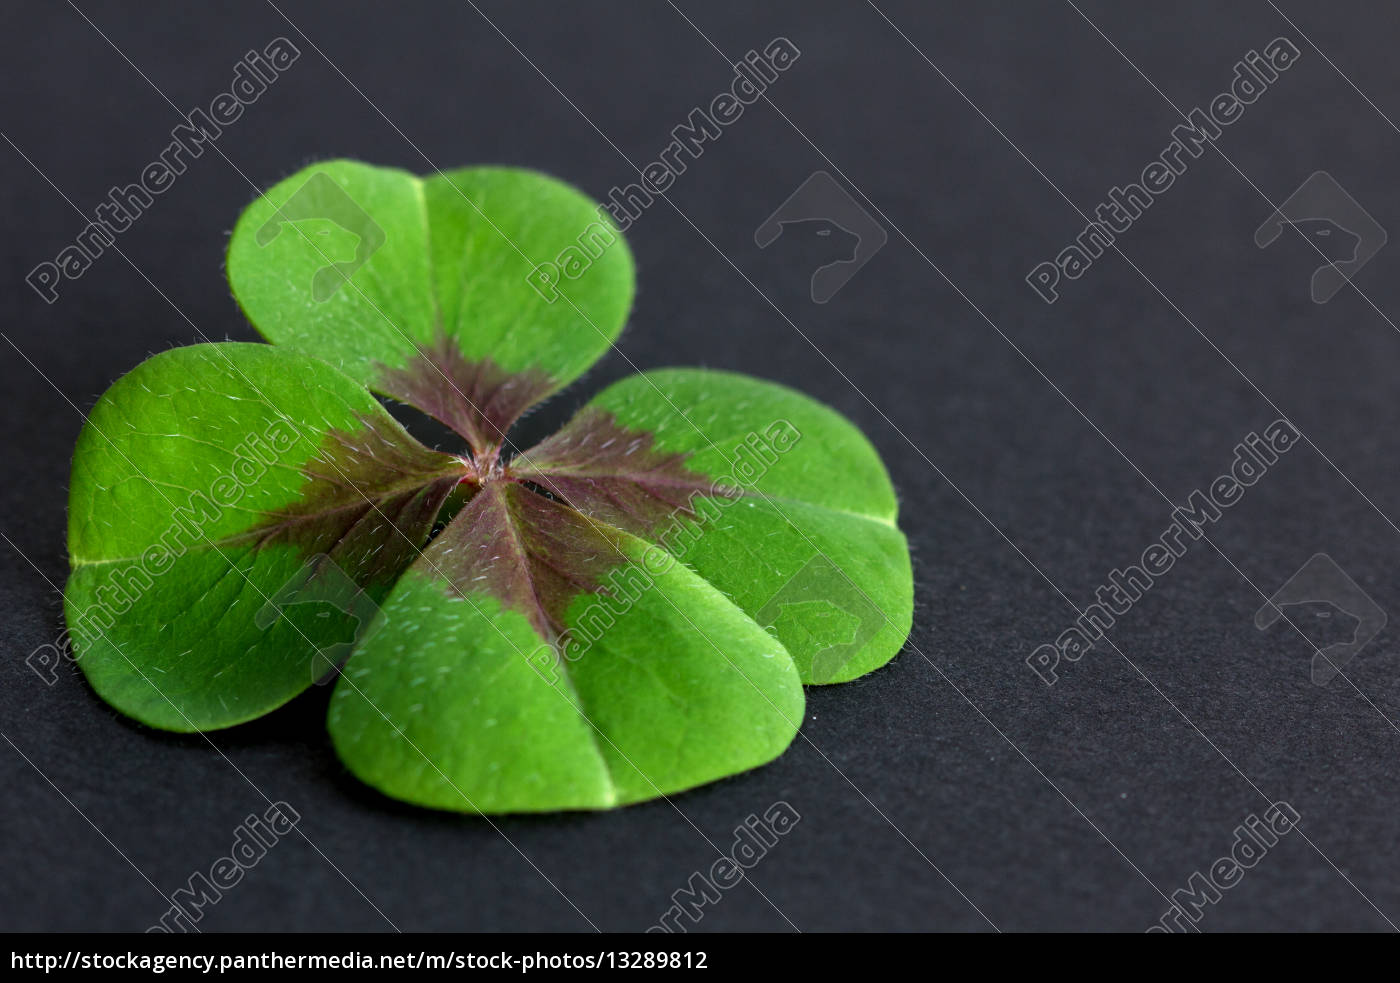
(626, 610)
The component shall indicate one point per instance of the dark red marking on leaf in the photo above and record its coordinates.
(369, 501)
(478, 399)
(533, 555)
(615, 474)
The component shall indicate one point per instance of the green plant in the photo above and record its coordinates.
(626, 610)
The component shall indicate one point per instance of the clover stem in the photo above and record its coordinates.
(482, 465)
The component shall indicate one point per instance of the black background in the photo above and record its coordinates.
(951, 789)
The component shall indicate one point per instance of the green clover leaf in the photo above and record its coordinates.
(626, 610)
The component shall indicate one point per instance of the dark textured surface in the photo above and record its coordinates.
(1073, 807)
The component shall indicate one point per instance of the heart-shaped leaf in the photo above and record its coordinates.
(471, 294)
(464, 701)
(627, 610)
(204, 482)
(780, 503)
